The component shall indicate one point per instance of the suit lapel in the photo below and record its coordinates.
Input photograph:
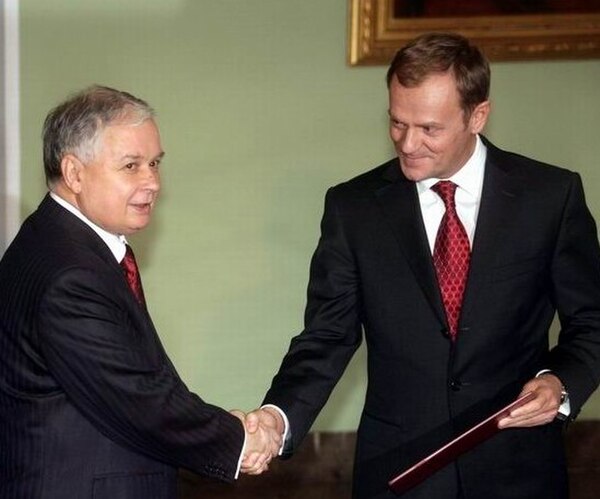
(399, 202)
(64, 224)
(497, 210)
(60, 222)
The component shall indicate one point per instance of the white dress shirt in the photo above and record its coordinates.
(469, 180)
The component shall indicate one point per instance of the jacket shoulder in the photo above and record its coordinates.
(517, 164)
(371, 180)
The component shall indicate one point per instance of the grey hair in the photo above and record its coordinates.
(74, 126)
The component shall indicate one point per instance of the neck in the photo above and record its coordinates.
(63, 192)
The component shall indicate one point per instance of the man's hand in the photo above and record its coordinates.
(542, 409)
(264, 428)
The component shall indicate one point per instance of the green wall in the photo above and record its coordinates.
(259, 114)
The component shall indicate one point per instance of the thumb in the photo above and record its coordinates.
(252, 422)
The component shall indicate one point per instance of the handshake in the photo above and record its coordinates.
(264, 438)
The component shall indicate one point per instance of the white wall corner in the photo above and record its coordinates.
(10, 124)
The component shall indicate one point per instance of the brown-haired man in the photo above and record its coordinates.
(451, 334)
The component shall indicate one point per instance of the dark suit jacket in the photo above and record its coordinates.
(90, 405)
(535, 251)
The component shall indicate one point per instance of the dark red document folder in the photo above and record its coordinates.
(449, 452)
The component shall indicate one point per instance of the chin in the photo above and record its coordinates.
(136, 227)
(413, 174)
(416, 171)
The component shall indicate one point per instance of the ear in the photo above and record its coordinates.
(72, 169)
(479, 117)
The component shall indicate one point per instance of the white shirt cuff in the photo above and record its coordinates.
(239, 465)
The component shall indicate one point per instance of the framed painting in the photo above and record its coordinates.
(506, 30)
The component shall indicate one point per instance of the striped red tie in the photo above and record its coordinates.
(132, 275)
(451, 255)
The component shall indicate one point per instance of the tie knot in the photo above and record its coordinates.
(445, 189)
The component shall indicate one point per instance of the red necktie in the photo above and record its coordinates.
(132, 275)
(451, 255)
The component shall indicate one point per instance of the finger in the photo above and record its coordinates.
(263, 469)
(249, 461)
(535, 419)
(256, 464)
(527, 410)
(544, 401)
(262, 461)
(258, 471)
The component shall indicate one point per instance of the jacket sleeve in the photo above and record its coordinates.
(107, 358)
(332, 331)
(576, 285)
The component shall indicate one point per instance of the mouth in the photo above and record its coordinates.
(412, 159)
(143, 207)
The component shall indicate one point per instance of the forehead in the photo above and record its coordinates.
(437, 93)
(128, 135)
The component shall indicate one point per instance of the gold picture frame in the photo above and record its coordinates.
(375, 34)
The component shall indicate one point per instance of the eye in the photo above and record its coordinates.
(155, 163)
(397, 123)
(130, 166)
(431, 130)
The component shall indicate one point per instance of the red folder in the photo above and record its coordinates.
(449, 452)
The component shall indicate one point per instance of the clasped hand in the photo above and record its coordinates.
(264, 429)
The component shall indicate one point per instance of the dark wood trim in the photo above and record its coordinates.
(322, 469)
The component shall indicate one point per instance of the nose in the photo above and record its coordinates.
(408, 143)
(151, 179)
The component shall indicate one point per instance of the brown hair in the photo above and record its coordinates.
(440, 52)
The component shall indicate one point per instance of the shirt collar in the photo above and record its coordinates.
(469, 178)
(116, 243)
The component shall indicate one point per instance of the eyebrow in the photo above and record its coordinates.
(139, 156)
(425, 124)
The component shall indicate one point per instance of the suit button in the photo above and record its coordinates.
(455, 385)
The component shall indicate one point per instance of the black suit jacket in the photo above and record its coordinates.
(90, 405)
(535, 251)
